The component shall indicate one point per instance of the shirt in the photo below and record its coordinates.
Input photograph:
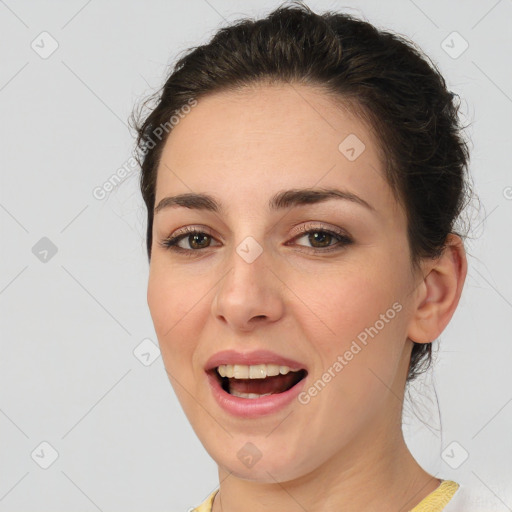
(495, 496)
(436, 501)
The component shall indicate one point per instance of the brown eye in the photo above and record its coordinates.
(197, 241)
(320, 240)
(193, 240)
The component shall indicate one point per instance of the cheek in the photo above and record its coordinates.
(342, 303)
(172, 302)
(171, 296)
(358, 316)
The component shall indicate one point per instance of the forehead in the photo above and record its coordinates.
(255, 141)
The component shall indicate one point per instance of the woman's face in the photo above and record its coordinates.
(254, 279)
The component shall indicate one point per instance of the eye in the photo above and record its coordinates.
(193, 237)
(321, 239)
(195, 240)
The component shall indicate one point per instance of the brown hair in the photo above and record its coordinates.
(379, 75)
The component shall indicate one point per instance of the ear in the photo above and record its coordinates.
(439, 292)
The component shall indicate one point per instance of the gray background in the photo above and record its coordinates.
(73, 371)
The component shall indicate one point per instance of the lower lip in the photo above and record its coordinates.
(253, 407)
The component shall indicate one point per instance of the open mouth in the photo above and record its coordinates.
(257, 387)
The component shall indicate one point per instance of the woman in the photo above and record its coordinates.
(303, 174)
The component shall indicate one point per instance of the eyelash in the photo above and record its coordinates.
(172, 241)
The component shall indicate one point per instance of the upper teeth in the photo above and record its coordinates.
(257, 371)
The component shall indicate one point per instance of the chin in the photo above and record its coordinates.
(244, 460)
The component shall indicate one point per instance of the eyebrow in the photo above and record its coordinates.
(280, 201)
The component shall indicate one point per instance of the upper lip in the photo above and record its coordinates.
(251, 358)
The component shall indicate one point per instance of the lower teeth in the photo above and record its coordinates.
(248, 395)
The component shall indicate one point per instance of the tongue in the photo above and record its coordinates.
(276, 384)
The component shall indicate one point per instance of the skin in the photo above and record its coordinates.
(344, 450)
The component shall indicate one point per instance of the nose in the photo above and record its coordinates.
(250, 294)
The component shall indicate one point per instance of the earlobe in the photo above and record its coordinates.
(441, 290)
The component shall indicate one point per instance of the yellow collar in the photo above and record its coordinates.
(437, 499)
(434, 502)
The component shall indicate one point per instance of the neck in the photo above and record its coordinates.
(391, 482)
